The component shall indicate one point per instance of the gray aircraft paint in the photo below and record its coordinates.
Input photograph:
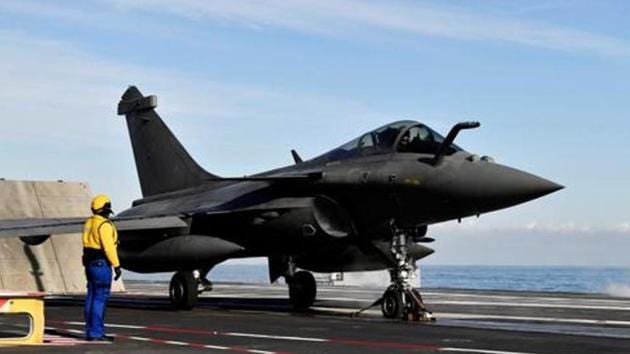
(330, 213)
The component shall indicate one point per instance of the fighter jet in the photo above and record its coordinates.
(363, 206)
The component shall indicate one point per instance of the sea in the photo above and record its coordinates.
(612, 281)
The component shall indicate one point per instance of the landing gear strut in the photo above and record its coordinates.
(183, 290)
(302, 287)
(401, 300)
(203, 284)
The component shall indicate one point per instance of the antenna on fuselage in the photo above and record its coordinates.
(296, 157)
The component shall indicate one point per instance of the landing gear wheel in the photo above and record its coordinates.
(302, 290)
(183, 290)
(392, 304)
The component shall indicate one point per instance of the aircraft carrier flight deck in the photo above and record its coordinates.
(258, 319)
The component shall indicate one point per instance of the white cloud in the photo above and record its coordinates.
(568, 227)
(90, 15)
(473, 226)
(623, 227)
(53, 83)
(352, 18)
(57, 97)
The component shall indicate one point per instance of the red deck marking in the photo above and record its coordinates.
(196, 345)
(182, 330)
(241, 349)
(157, 341)
(192, 345)
(340, 341)
(353, 342)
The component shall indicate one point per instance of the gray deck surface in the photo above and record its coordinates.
(258, 319)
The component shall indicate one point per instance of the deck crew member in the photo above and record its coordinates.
(100, 240)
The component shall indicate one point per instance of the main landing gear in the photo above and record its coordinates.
(183, 290)
(302, 287)
(186, 286)
(401, 300)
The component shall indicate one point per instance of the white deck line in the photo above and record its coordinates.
(493, 303)
(266, 336)
(528, 304)
(534, 319)
(452, 315)
(479, 351)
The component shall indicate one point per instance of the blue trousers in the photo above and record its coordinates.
(99, 281)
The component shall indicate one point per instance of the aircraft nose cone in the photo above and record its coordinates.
(522, 185)
(537, 187)
(495, 186)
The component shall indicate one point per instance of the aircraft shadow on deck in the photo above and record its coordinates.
(219, 303)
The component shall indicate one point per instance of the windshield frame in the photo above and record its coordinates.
(353, 149)
(437, 137)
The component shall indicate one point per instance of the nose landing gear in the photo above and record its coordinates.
(405, 303)
(401, 300)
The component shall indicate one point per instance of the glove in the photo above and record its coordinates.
(118, 273)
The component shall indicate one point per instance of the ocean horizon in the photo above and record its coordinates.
(614, 281)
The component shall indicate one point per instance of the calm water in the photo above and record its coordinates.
(557, 279)
(614, 281)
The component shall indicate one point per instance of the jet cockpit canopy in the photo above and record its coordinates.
(402, 136)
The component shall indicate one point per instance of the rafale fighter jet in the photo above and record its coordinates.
(363, 206)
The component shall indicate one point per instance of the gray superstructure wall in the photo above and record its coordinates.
(55, 265)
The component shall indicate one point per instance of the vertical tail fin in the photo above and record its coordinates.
(162, 162)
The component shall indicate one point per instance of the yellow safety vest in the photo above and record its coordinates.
(100, 233)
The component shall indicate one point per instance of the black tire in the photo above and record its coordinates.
(302, 290)
(183, 290)
(392, 305)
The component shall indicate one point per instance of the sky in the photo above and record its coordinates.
(243, 82)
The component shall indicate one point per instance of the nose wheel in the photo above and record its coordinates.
(392, 304)
(406, 304)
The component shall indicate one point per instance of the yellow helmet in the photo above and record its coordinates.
(101, 202)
